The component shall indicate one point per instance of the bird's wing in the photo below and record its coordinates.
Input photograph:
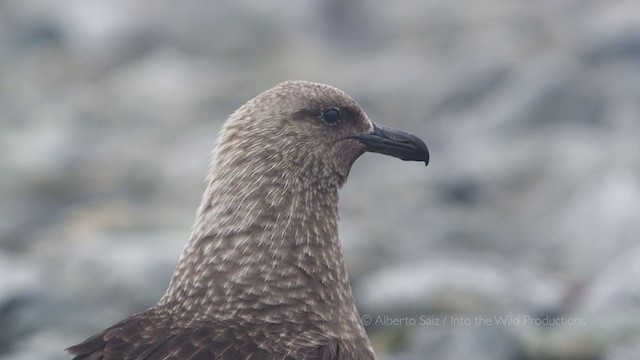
(140, 338)
(136, 338)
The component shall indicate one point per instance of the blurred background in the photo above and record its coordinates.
(524, 229)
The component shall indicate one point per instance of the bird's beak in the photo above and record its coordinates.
(394, 142)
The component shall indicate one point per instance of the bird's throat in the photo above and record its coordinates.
(265, 255)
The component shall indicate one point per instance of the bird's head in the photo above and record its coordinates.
(308, 131)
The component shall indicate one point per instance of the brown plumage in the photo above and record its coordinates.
(262, 275)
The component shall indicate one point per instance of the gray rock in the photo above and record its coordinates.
(21, 284)
(616, 287)
(624, 352)
(462, 285)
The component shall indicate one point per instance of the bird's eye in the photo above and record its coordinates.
(331, 115)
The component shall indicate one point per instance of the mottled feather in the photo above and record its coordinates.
(262, 276)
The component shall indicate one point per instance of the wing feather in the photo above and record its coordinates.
(145, 337)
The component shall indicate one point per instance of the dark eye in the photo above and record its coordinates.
(331, 115)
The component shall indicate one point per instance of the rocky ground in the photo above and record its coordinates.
(519, 241)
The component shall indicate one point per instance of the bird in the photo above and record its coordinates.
(262, 275)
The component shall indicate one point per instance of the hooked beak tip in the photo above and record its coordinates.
(394, 143)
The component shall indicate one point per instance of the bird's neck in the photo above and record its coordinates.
(266, 251)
